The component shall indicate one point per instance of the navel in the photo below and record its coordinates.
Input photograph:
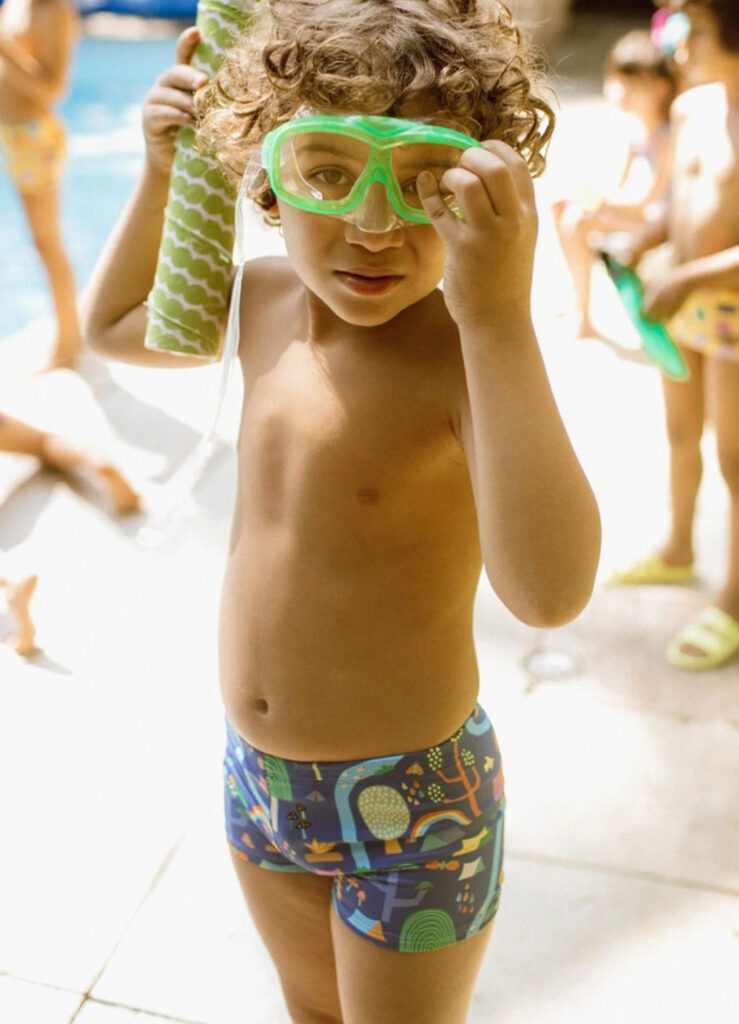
(261, 705)
(368, 495)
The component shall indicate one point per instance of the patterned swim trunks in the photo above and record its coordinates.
(414, 841)
(708, 322)
(34, 153)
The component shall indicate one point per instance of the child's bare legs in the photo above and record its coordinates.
(23, 439)
(42, 212)
(291, 912)
(724, 389)
(19, 599)
(318, 957)
(573, 230)
(685, 412)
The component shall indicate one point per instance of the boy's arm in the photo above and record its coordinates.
(538, 519)
(42, 76)
(114, 316)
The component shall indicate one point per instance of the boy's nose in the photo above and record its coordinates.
(374, 213)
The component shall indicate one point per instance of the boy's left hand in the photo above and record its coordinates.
(490, 249)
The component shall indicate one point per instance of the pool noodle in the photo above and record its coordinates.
(188, 303)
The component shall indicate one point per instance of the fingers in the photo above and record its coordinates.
(438, 212)
(487, 182)
(169, 103)
(176, 100)
(182, 76)
(471, 195)
(186, 43)
(499, 176)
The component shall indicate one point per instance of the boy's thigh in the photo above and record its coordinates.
(291, 911)
(383, 986)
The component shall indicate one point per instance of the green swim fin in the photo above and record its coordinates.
(656, 342)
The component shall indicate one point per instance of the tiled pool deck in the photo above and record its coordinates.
(117, 902)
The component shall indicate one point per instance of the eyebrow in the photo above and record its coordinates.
(322, 147)
(429, 163)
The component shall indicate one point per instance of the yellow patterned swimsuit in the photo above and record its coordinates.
(34, 153)
(708, 322)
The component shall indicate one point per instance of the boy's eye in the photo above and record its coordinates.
(331, 176)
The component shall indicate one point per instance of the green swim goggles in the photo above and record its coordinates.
(362, 169)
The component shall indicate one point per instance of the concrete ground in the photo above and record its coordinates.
(117, 901)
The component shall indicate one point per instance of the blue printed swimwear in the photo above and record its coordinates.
(414, 841)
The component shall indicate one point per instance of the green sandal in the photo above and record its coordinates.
(652, 570)
(714, 633)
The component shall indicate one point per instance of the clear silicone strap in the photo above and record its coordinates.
(185, 479)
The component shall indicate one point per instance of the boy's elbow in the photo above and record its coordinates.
(546, 598)
(544, 608)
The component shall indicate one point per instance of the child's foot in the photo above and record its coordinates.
(122, 497)
(61, 455)
(19, 599)
(585, 329)
(709, 641)
(654, 569)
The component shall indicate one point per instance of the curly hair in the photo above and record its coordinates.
(372, 57)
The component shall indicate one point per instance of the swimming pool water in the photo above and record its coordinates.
(102, 112)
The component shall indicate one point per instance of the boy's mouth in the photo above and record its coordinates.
(368, 281)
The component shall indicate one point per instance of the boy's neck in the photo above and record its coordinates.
(324, 327)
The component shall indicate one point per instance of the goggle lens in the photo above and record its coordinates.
(327, 167)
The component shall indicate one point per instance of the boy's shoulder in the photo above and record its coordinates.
(267, 274)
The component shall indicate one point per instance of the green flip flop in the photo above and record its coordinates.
(714, 633)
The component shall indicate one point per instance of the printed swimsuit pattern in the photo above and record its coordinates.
(414, 841)
(34, 153)
(708, 322)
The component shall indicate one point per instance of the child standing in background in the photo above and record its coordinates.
(699, 298)
(393, 441)
(639, 79)
(36, 42)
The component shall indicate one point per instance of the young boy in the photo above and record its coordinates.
(36, 41)
(701, 295)
(393, 440)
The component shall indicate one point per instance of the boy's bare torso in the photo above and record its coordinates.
(346, 618)
(705, 185)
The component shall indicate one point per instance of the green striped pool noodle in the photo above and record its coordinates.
(188, 303)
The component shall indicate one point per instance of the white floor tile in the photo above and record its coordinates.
(192, 951)
(101, 1013)
(23, 1002)
(572, 945)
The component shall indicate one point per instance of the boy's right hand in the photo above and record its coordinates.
(169, 105)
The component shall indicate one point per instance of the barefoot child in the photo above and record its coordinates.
(36, 41)
(393, 440)
(701, 294)
(639, 79)
(54, 453)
